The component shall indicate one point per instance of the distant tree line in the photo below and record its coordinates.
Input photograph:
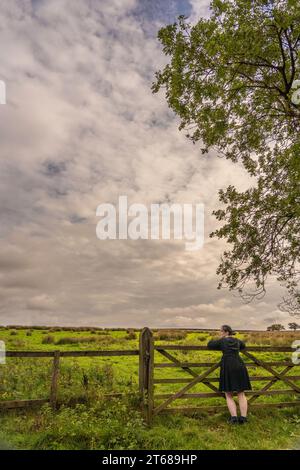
(278, 327)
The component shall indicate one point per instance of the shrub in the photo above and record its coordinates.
(18, 343)
(130, 335)
(204, 337)
(76, 340)
(171, 335)
(106, 340)
(102, 340)
(102, 375)
(48, 340)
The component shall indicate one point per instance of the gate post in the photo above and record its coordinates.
(146, 370)
(54, 380)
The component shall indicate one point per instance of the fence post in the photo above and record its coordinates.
(146, 369)
(54, 380)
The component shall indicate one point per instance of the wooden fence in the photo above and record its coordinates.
(147, 380)
(54, 379)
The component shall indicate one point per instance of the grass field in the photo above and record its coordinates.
(88, 420)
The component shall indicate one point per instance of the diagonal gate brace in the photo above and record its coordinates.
(277, 375)
(181, 392)
(185, 368)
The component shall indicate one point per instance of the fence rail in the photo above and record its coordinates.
(184, 347)
(147, 381)
(125, 352)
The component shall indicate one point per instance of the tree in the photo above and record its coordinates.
(294, 326)
(231, 81)
(275, 327)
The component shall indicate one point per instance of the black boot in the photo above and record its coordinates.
(243, 420)
(233, 420)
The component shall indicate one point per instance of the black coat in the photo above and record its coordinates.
(233, 373)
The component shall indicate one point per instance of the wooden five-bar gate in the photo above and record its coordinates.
(148, 348)
(153, 404)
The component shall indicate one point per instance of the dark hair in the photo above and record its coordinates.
(228, 330)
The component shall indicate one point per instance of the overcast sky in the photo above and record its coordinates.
(80, 128)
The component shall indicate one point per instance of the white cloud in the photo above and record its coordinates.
(41, 302)
(81, 127)
(200, 9)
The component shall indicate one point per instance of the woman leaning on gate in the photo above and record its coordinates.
(233, 373)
